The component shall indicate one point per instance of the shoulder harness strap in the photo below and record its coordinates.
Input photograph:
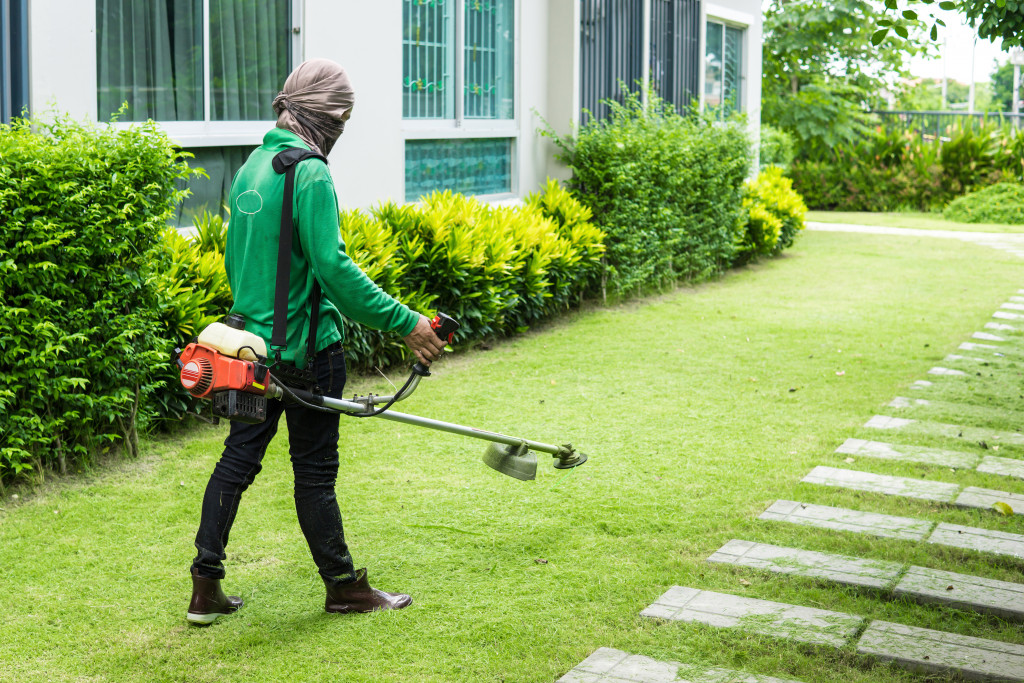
(285, 162)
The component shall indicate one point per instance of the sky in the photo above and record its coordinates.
(955, 42)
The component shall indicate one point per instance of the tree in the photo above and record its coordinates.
(821, 74)
(1002, 86)
(998, 19)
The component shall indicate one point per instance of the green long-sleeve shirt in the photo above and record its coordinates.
(257, 192)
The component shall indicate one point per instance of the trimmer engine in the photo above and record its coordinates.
(237, 387)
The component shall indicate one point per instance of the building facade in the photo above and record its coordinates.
(450, 94)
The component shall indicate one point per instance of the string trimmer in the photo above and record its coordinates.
(229, 367)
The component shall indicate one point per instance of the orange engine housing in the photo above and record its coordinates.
(205, 371)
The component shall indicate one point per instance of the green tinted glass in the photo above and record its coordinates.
(489, 56)
(428, 59)
(475, 166)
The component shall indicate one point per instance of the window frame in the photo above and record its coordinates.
(461, 127)
(730, 18)
(209, 133)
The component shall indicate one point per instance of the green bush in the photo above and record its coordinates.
(778, 147)
(665, 188)
(82, 211)
(497, 270)
(895, 170)
(775, 215)
(999, 203)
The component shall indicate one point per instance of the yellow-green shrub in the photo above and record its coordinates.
(774, 214)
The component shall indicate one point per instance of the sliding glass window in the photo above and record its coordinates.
(191, 60)
(723, 68)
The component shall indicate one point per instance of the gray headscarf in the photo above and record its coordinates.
(316, 101)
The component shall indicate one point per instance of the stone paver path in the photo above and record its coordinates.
(947, 430)
(1001, 598)
(906, 453)
(840, 519)
(615, 666)
(1008, 467)
(929, 651)
(983, 540)
(881, 483)
(793, 622)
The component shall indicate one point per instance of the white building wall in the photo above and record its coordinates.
(366, 38)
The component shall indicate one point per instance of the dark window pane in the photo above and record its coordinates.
(150, 55)
(428, 60)
(211, 194)
(489, 57)
(250, 57)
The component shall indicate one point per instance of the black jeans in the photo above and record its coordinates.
(313, 444)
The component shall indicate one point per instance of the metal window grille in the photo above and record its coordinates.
(13, 58)
(489, 56)
(732, 72)
(469, 166)
(428, 54)
(611, 47)
(675, 51)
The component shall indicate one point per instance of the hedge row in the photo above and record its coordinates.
(898, 170)
(96, 290)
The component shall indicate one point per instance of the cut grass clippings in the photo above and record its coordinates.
(908, 219)
(698, 408)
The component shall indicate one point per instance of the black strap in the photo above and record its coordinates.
(285, 162)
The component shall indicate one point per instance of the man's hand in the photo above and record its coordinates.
(423, 342)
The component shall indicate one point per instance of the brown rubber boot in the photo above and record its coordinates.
(209, 602)
(358, 596)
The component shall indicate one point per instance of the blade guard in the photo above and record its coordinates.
(205, 371)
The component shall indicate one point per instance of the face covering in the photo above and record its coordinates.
(315, 102)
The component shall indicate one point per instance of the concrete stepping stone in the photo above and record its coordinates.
(976, 434)
(924, 650)
(971, 346)
(955, 357)
(1012, 306)
(928, 456)
(609, 665)
(972, 593)
(881, 483)
(986, 499)
(839, 568)
(1003, 315)
(1017, 299)
(922, 384)
(984, 540)
(1008, 467)
(842, 519)
(946, 372)
(985, 336)
(1001, 327)
(904, 402)
(793, 622)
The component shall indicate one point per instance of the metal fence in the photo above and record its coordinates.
(611, 50)
(675, 50)
(936, 124)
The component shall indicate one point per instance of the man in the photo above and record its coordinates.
(312, 109)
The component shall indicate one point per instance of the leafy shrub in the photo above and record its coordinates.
(778, 147)
(665, 188)
(82, 211)
(497, 270)
(775, 215)
(1000, 203)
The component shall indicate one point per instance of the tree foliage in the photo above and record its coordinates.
(993, 19)
(821, 72)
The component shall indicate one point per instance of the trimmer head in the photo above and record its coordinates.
(567, 462)
(518, 462)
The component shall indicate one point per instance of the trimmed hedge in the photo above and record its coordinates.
(897, 170)
(82, 211)
(666, 188)
(1000, 203)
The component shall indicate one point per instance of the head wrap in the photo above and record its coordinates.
(316, 101)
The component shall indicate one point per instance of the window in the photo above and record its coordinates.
(210, 194)
(675, 51)
(611, 51)
(192, 60)
(13, 58)
(458, 95)
(723, 68)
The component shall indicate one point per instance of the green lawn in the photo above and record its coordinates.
(698, 408)
(908, 219)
